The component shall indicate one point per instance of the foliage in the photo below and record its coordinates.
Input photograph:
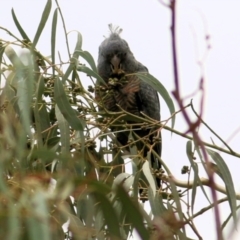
(55, 150)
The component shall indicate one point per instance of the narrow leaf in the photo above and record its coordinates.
(20, 29)
(131, 208)
(109, 214)
(78, 47)
(2, 49)
(196, 179)
(13, 222)
(125, 180)
(88, 57)
(203, 163)
(43, 21)
(39, 121)
(13, 57)
(176, 198)
(225, 174)
(65, 107)
(91, 73)
(148, 174)
(68, 71)
(64, 131)
(148, 78)
(53, 38)
(38, 222)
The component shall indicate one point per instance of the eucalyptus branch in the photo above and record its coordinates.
(193, 227)
(190, 184)
(12, 35)
(205, 209)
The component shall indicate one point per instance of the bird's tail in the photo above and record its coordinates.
(156, 165)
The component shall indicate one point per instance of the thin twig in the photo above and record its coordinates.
(203, 210)
(159, 125)
(64, 27)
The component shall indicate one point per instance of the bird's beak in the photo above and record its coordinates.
(115, 64)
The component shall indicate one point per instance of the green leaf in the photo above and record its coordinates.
(151, 197)
(91, 73)
(24, 84)
(20, 29)
(88, 57)
(109, 214)
(42, 23)
(225, 174)
(13, 222)
(13, 57)
(148, 78)
(135, 185)
(40, 113)
(125, 180)
(99, 225)
(176, 198)
(156, 203)
(196, 179)
(86, 210)
(64, 131)
(159, 203)
(51, 142)
(203, 163)
(65, 107)
(38, 222)
(53, 38)
(2, 49)
(148, 174)
(78, 47)
(132, 209)
(68, 71)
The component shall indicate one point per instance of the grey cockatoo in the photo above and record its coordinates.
(115, 63)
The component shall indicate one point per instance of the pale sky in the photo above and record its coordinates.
(146, 27)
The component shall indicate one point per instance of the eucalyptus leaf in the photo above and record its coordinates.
(78, 47)
(64, 131)
(42, 23)
(88, 57)
(53, 38)
(19, 27)
(196, 179)
(132, 209)
(65, 107)
(109, 214)
(90, 73)
(148, 78)
(225, 174)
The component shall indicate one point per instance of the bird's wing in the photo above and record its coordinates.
(148, 103)
(147, 97)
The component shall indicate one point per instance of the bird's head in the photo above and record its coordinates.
(115, 57)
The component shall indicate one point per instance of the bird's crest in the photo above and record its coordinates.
(114, 29)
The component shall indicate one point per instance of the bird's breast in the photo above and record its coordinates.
(122, 93)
